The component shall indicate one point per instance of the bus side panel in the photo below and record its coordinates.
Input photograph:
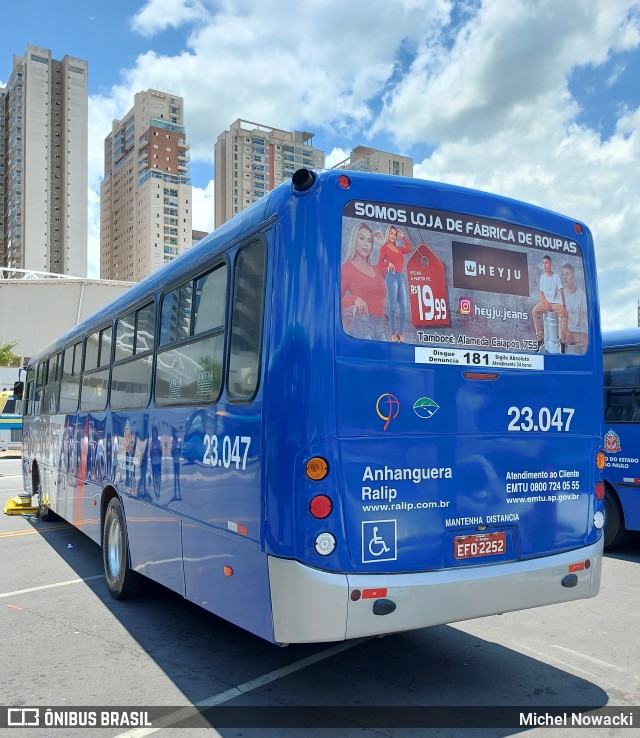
(621, 429)
(155, 543)
(300, 397)
(63, 451)
(83, 490)
(227, 575)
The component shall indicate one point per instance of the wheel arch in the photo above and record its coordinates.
(614, 515)
(613, 493)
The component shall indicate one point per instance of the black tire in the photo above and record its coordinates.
(122, 582)
(614, 530)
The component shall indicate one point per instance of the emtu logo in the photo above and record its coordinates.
(470, 268)
(465, 306)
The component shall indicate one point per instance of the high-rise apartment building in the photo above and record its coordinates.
(251, 159)
(364, 159)
(3, 99)
(43, 164)
(145, 196)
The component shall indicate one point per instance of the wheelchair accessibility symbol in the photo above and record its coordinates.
(379, 541)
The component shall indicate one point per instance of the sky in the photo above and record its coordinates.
(533, 99)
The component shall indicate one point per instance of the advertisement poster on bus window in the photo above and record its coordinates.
(451, 280)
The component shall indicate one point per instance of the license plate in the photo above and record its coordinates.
(476, 546)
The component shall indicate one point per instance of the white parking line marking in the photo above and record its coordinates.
(4, 595)
(230, 694)
(584, 656)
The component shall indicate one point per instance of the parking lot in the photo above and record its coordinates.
(67, 644)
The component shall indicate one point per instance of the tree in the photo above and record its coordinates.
(7, 357)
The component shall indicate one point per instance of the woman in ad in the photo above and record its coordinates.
(363, 286)
(391, 264)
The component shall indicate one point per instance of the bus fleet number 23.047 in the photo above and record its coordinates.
(226, 451)
(547, 419)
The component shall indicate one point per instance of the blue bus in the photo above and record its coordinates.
(356, 408)
(621, 360)
(10, 422)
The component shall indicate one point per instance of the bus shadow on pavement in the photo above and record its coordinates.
(204, 655)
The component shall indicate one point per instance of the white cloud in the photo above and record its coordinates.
(203, 208)
(489, 97)
(569, 170)
(157, 15)
(508, 59)
(282, 64)
(498, 110)
(279, 64)
(93, 235)
(335, 156)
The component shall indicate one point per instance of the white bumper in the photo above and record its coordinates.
(310, 605)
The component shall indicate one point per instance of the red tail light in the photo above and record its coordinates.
(600, 490)
(320, 506)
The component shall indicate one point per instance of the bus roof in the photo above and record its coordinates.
(624, 337)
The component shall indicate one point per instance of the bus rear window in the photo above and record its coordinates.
(452, 280)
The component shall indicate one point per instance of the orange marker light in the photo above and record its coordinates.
(317, 468)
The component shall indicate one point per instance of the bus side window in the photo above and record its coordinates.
(41, 381)
(95, 384)
(70, 383)
(190, 358)
(52, 389)
(623, 377)
(29, 393)
(246, 322)
(133, 362)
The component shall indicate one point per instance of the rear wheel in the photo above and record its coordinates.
(122, 582)
(614, 530)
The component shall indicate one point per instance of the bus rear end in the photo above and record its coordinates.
(461, 478)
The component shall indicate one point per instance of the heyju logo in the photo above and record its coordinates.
(489, 269)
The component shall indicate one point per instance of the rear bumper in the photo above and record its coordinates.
(310, 605)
